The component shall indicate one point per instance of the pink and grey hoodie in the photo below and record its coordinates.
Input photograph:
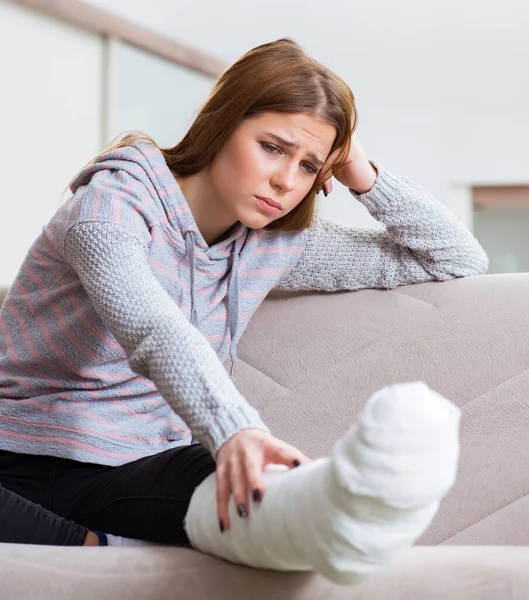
(66, 385)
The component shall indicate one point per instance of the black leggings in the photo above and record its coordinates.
(56, 501)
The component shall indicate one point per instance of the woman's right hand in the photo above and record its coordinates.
(240, 465)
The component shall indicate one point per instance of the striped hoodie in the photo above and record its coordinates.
(114, 332)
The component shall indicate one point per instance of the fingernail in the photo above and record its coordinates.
(241, 509)
(257, 496)
(325, 192)
(296, 463)
(221, 525)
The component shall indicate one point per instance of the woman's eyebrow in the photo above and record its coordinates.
(319, 163)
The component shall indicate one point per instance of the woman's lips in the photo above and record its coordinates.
(266, 206)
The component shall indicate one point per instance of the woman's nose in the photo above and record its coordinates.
(285, 179)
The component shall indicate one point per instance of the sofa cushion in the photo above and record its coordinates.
(428, 573)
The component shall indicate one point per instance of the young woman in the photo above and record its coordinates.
(119, 423)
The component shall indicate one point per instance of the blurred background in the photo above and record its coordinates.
(442, 91)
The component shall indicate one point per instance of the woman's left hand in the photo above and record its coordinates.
(358, 174)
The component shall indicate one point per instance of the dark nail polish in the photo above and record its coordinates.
(221, 525)
(257, 496)
(325, 192)
(296, 463)
(241, 509)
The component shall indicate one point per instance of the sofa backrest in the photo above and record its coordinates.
(309, 361)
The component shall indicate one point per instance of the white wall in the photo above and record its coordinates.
(50, 116)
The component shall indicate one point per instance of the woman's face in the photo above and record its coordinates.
(271, 155)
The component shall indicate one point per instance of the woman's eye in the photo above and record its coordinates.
(269, 147)
(274, 149)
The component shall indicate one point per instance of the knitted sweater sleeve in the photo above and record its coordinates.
(159, 342)
(422, 241)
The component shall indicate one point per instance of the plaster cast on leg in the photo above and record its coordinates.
(349, 515)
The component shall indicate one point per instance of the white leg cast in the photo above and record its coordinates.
(349, 515)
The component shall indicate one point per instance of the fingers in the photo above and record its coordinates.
(254, 478)
(223, 495)
(242, 478)
(287, 455)
(327, 186)
(239, 486)
(240, 473)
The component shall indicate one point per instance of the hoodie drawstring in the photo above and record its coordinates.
(233, 307)
(233, 295)
(190, 249)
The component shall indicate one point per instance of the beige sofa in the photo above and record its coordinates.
(308, 362)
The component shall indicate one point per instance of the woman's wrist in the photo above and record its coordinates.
(365, 177)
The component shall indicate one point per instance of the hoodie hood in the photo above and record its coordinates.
(146, 164)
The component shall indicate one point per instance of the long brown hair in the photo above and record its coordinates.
(275, 77)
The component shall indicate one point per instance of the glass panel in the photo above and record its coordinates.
(503, 231)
